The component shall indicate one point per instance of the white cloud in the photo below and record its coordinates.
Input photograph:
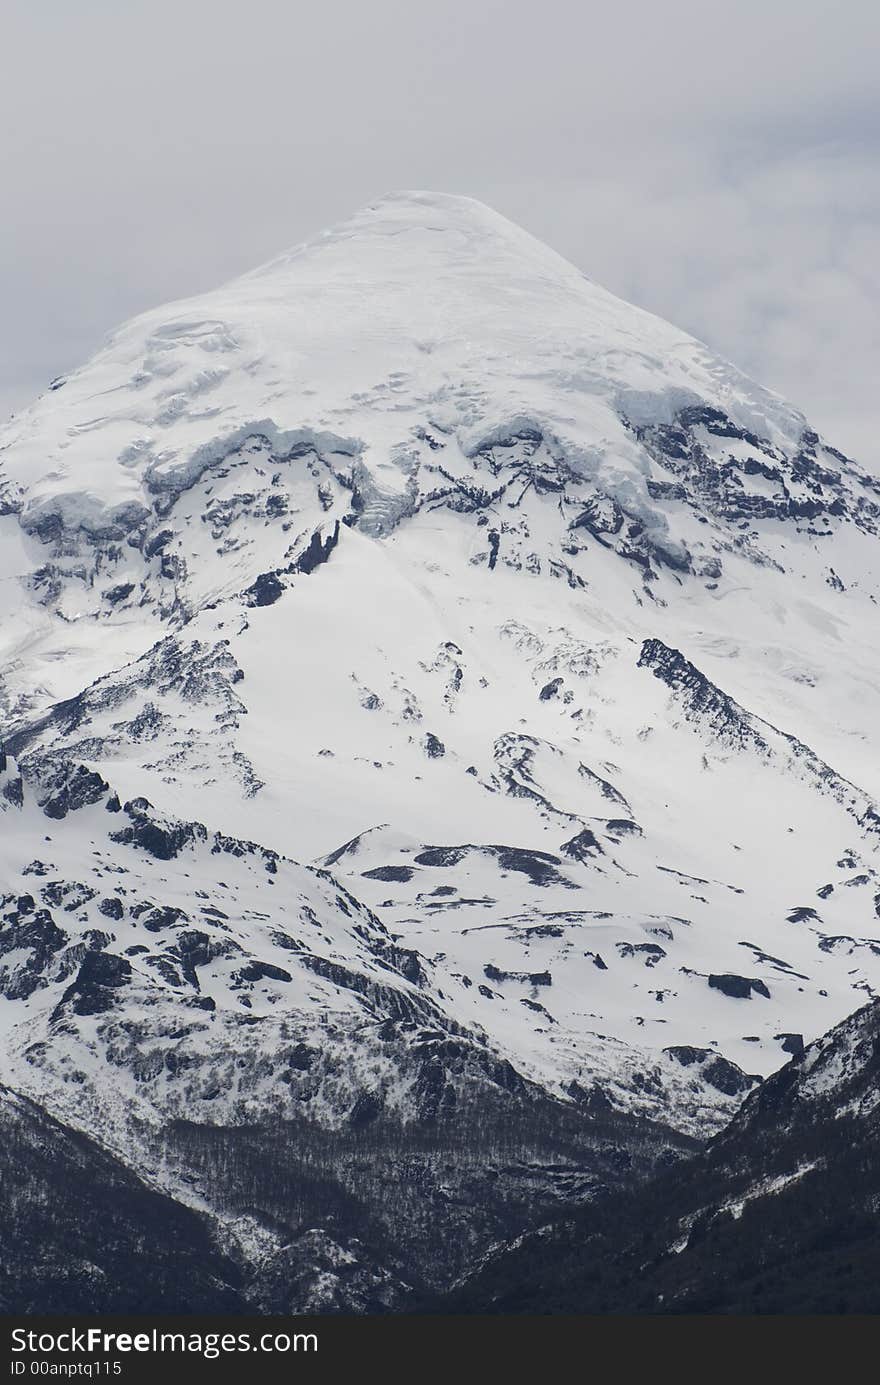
(776, 266)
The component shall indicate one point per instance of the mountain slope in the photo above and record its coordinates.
(81, 1234)
(197, 1001)
(429, 685)
(779, 1215)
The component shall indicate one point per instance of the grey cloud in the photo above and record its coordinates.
(716, 163)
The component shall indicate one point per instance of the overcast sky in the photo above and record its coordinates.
(718, 163)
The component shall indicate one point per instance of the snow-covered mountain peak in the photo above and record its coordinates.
(421, 311)
(417, 556)
(424, 355)
(430, 228)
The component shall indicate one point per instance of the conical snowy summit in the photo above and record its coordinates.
(437, 697)
(420, 309)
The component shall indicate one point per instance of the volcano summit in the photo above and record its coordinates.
(439, 777)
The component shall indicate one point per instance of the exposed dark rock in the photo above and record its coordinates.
(539, 866)
(398, 873)
(701, 698)
(164, 840)
(12, 790)
(444, 856)
(263, 971)
(302, 1057)
(601, 516)
(530, 978)
(72, 787)
(622, 827)
(583, 846)
(738, 987)
(388, 1001)
(726, 1077)
(649, 953)
(32, 938)
(717, 485)
(317, 552)
(157, 542)
(115, 595)
(593, 1099)
(803, 914)
(67, 894)
(265, 591)
(163, 916)
(100, 976)
(550, 689)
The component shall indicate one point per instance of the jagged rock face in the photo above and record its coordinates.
(738, 475)
(542, 634)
